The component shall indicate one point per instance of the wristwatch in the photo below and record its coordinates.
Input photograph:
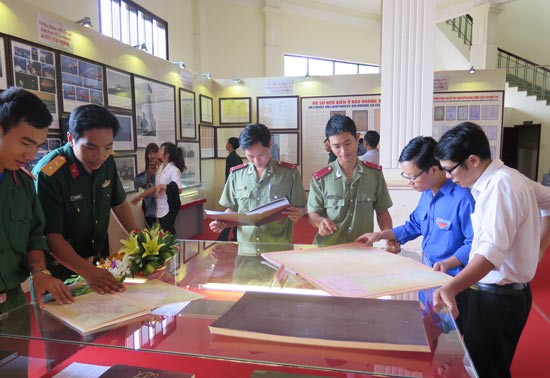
(45, 271)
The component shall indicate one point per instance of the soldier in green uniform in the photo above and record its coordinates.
(24, 121)
(259, 182)
(78, 185)
(344, 195)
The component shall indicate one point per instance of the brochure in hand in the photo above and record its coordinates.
(261, 215)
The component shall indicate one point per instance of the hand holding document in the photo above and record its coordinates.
(259, 216)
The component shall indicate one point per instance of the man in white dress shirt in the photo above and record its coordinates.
(372, 138)
(508, 235)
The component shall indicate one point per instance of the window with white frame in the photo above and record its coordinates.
(301, 65)
(134, 25)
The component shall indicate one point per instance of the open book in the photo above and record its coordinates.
(92, 312)
(261, 215)
(356, 270)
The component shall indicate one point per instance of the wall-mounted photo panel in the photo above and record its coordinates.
(3, 67)
(207, 141)
(206, 109)
(278, 112)
(192, 175)
(119, 89)
(126, 166)
(188, 128)
(223, 133)
(125, 139)
(34, 69)
(155, 112)
(235, 110)
(52, 142)
(285, 147)
(82, 82)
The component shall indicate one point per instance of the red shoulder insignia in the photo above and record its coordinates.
(237, 167)
(287, 165)
(372, 165)
(323, 172)
(28, 173)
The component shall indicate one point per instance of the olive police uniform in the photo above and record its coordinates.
(21, 230)
(350, 205)
(243, 192)
(77, 204)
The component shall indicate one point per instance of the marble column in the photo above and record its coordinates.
(407, 64)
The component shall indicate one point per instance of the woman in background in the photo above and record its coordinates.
(146, 180)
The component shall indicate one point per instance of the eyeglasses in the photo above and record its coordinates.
(450, 170)
(411, 178)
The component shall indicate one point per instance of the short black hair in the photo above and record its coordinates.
(254, 133)
(18, 105)
(421, 152)
(234, 142)
(339, 124)
(90, 117)
(373, 138)
(462, 141)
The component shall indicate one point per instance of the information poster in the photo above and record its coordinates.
(482, 108)
(316, 111)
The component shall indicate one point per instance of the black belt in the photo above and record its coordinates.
(509, 289)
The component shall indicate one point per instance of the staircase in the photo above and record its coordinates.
(526, 75)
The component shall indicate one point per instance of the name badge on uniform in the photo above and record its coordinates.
(76, 197)
(241, 188)
(106, 183)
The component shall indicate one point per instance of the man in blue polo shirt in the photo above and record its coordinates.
(442, 215)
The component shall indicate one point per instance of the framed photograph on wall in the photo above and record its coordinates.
(3, 67)
(278, 112)
(119, 89)
(206, 109)
(34, 69)
(52, 142)
(155, 112)
(82, 82)
(285, 147)
(126, 166)
(192, 175)
(207, 141)
(188, 129)
(125, 139)
(235, 110)
(223, 133)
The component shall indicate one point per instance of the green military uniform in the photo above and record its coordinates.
(350, 205)
(77, 204)
(244, 191)
(21, 230)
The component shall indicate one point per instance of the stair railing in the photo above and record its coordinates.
(526, 75)
(463, 26)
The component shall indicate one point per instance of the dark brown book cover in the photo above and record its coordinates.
(328, 321)
(127, 371)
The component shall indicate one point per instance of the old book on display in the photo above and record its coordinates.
(326, 321)
(91, 312)
(261, 215)
(127, 371)
(355, 270)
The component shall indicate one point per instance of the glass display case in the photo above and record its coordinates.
(179, 338)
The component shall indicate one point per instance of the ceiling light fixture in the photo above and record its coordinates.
(181, 64)
(141, 46)
(207, 75)
(235, 79)
(472, 70)
(85, 21)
